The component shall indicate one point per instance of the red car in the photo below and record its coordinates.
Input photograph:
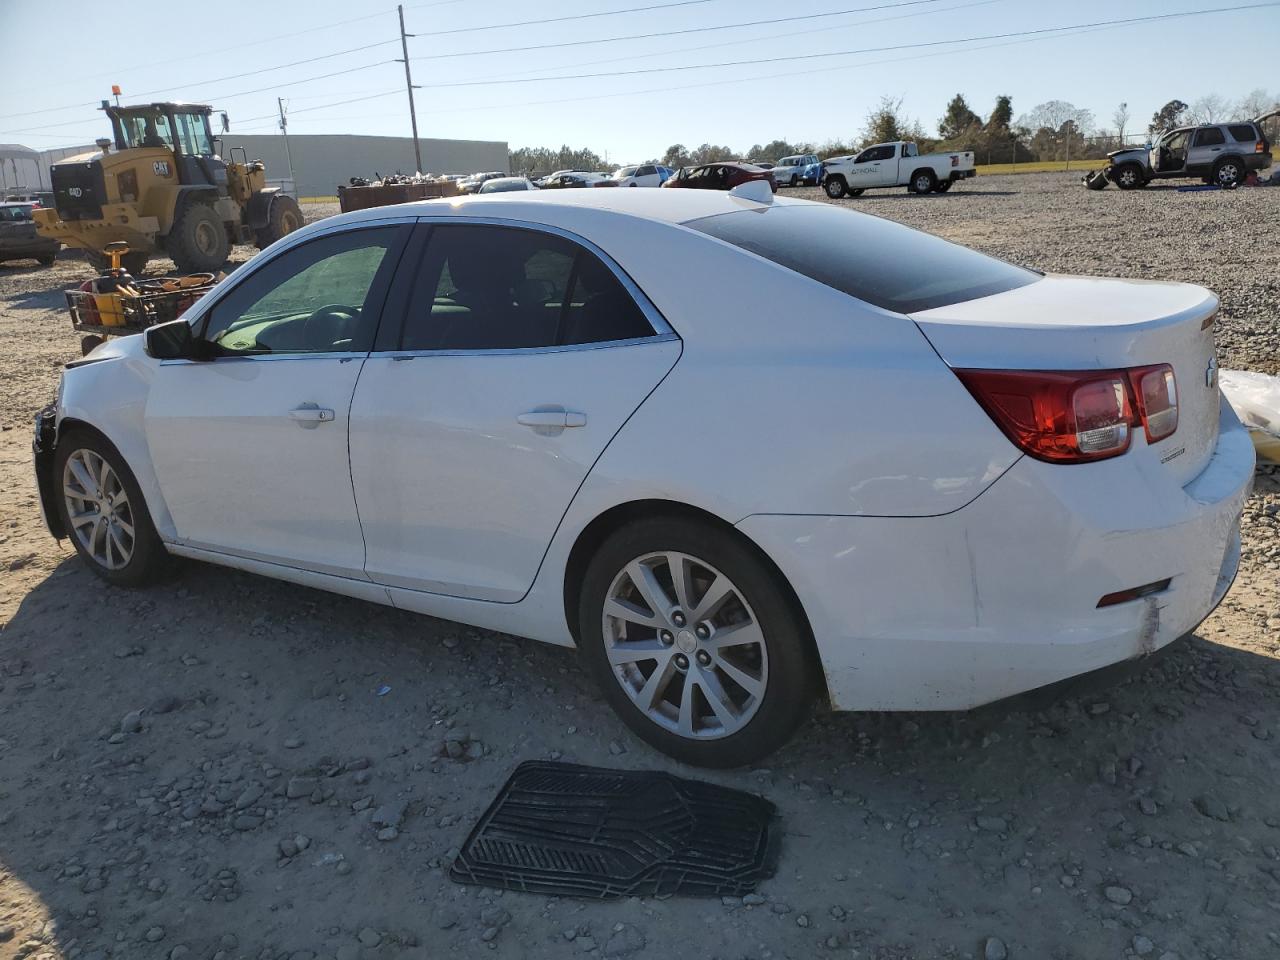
(720, 176)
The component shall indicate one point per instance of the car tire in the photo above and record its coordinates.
(119, 542)
(46, 260)
(835, 187)
(793, 181)
(1228, 173)
(1129, 176)
(762, 686)
(922, 182)
(198, 241)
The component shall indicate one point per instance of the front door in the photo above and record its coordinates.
(250, 447)
(875, 167)
(520, 355)
(1171, 154)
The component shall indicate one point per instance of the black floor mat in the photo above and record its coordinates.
(588, 832)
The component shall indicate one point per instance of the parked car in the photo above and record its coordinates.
(797, 170)
(38, 198)
(643, 175)
(506, 185)
(472, 183)
(575, 181)
(762, 164)
(844, 458)
(18, 237)
(720, 176)
(1218, 153)
(559, 173)
(895, 164)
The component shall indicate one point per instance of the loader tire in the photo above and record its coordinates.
(134, 262)
(283, 217)
(198, 242)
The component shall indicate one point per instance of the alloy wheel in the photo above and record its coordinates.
(1128, 177)
(98, 508)
(1228, 175)
(685, 646)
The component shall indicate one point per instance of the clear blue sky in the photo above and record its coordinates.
(58, 59)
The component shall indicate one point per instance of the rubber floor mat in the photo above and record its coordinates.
(588, 832)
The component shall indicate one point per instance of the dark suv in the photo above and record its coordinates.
(1217, 153)
(18, 237)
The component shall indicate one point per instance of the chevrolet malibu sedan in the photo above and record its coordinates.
(742, 452)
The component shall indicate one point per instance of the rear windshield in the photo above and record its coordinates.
(876, 260)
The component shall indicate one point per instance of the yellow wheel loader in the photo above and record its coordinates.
(164, 190)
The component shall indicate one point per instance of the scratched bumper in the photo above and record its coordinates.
(1000, 597)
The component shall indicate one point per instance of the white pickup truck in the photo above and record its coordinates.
(896, 164)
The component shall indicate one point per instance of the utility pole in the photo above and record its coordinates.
(284, 132)
(408, 82)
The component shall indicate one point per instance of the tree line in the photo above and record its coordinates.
(1053, 130)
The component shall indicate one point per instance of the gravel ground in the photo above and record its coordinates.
(203, 770)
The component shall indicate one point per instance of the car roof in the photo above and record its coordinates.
(568, 209)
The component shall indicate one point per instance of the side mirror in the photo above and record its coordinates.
(172, 341)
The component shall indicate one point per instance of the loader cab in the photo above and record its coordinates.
(183, 129)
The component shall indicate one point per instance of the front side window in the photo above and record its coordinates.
(501, 288)
(1177, 141)
(875, 260)
(1209, 137)
(321, 297)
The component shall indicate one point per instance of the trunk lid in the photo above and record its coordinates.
(1087, 323)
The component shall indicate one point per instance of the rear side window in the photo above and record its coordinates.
(1243, 132)
(878, 261)
(487, 287)
(1210, 137)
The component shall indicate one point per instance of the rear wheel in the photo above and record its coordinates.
(103, 511)
(835, 187)
(1228, 173)
(695, 642)
(283, 217)
(198, 241)
(922, 182)
(1129, 177)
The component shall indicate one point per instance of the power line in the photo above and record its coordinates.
(687, 30)
(576, 16)
(195, 55)
(846, 53)
(770, 37)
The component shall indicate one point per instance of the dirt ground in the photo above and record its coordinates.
(204, 769)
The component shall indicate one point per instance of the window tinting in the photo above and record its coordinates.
(1243, 132)
(1209, 136)
(321, 297)
(875, 260)
(498, 288)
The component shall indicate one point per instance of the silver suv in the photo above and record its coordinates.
(1217, 153)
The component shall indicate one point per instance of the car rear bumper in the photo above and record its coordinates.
(962, 174)
(1001, 596)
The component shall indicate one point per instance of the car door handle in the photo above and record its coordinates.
(551, 420)
(311, 414)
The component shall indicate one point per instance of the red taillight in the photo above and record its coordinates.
(1077, 416)
(1259, 147)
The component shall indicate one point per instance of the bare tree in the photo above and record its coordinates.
(1055, 114)
(1254, 104)
(1121, 119)
(1209, 109)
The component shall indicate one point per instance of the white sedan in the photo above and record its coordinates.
(741, 451)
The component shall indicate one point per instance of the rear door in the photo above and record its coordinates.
(1207, 144)
(511, 358)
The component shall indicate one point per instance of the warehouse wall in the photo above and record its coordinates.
(321, 162)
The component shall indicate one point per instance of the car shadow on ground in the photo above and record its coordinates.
(940, 197)
(158, 744)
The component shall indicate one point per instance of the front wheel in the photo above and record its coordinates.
(695, 642)
(1129, 177)
(103, 512)
(198, 241)
(835, 187)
